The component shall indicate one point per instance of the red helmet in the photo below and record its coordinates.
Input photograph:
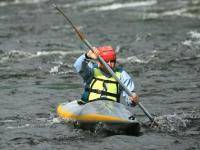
(107, 53)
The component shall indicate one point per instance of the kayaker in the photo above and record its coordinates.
(99, 84)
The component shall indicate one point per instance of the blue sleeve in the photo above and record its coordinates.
(127, 80)
(84, 67)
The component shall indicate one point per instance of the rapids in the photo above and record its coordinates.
(157, 42)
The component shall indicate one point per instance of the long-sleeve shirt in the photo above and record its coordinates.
(85, 68)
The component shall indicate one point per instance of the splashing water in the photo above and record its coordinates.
(174, 122)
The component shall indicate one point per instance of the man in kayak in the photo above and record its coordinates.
(99, 84)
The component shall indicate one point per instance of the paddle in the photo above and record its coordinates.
(85, 41)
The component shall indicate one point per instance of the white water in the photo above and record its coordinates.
(175, 122)
(194, 39)
(2, 4)
(115, 6)
(88, 3)
(19, 55)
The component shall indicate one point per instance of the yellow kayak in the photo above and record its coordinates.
(112, 114)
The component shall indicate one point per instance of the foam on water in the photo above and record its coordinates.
(132, 59)
(194, 39)
(175, 122)
(18, 127)
(21, 2)
(183, 12)
(7, 121)
(174, 12)
(19, 55)
(88, 3)
(135, 59)
(3, 4)
(55, 69)
(14, 54)
(43, 53)
(115, 6)
(194, 34)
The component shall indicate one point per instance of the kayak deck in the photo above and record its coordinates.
(111, 116)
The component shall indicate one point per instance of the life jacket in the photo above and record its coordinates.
(102, 87)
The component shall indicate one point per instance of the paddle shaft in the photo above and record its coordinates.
(86, 42)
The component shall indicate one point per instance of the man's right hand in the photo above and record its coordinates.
(134, 98)
(93, 54)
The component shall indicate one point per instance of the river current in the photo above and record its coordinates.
(157, 42)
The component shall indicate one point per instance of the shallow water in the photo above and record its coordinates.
(158, 43)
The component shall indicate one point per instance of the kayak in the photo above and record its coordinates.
(104, 114)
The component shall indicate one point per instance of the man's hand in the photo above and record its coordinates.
(93, 54)
(134, 98)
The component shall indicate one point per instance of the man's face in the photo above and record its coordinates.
(111, 64)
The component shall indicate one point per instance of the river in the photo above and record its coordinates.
(157, 42)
